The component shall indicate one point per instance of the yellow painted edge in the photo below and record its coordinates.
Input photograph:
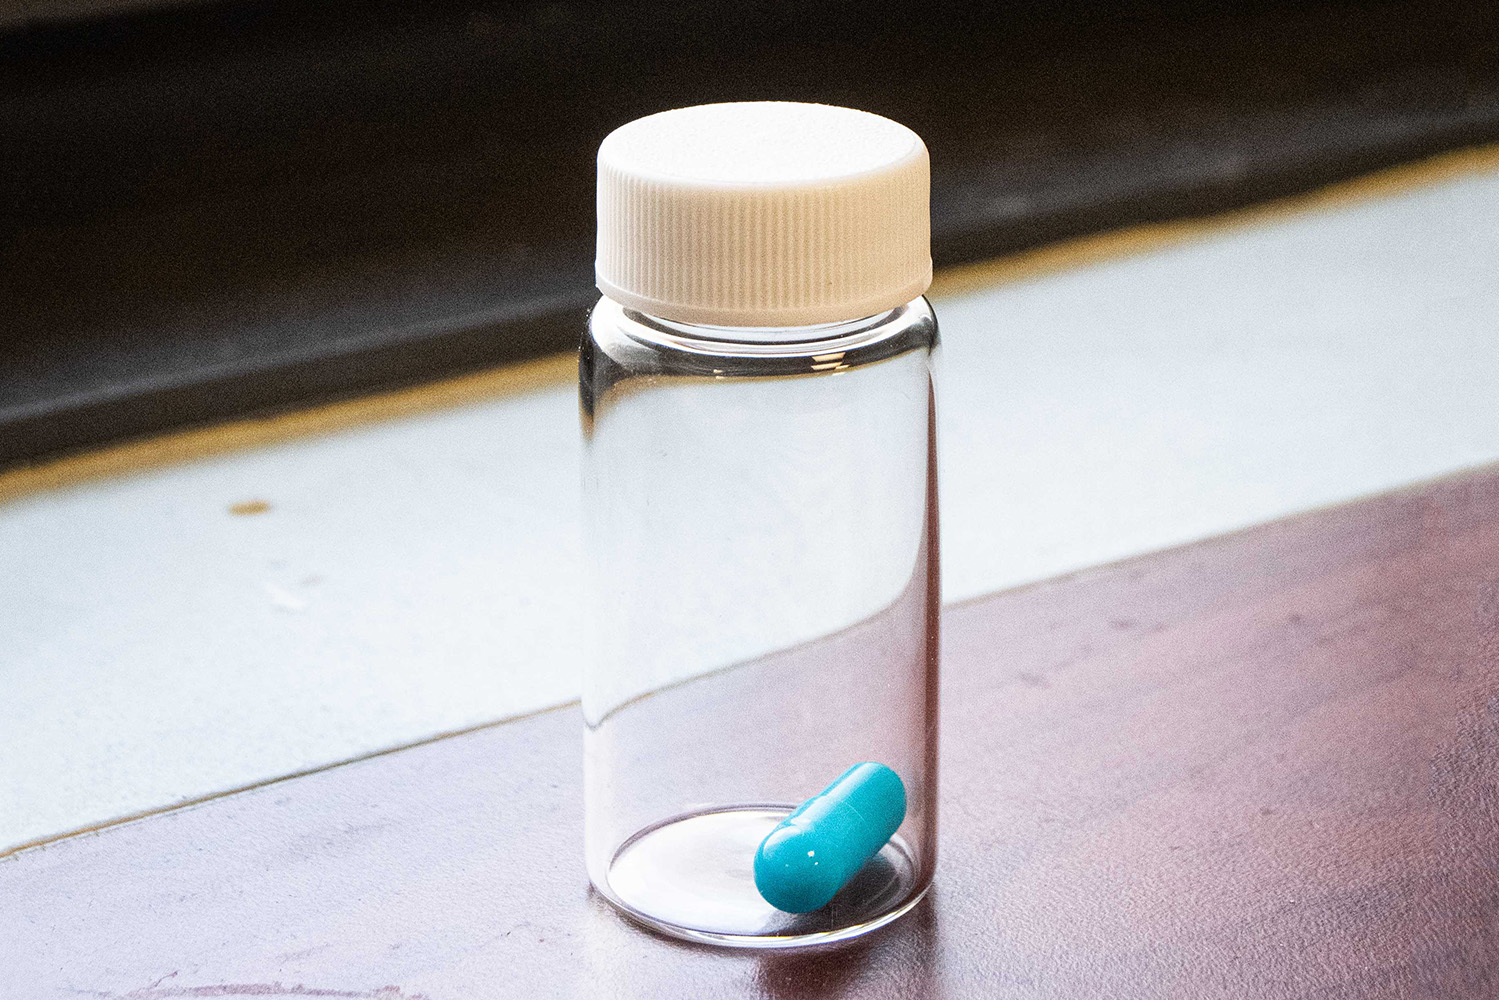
(1145, 238)
(188, 445)
(203, 442)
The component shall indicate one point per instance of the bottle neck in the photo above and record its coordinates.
(760, 339)
(627, 343)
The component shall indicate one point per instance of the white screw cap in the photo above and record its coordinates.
(763, 214)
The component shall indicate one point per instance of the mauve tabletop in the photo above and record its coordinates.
(1265, 765)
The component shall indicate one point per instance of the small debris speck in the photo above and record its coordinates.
(247, 507)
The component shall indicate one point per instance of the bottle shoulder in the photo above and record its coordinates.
(641, 343)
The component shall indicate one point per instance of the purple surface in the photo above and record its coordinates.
(1266, 765)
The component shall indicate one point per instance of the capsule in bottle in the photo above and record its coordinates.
(823, 843)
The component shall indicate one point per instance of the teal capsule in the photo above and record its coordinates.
(812, 853)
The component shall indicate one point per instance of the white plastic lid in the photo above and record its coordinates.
(763, 214)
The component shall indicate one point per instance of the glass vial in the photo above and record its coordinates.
(760, 488)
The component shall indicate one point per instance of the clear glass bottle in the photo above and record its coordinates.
(762, 524)
(762, 515)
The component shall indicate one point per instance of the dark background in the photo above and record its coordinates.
(229, 208)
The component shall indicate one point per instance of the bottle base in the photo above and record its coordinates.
(692, 877)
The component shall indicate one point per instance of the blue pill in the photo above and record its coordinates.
(812, 853)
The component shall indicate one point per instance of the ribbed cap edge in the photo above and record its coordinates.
(831, 234)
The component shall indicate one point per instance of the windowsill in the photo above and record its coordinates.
(413, 568)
